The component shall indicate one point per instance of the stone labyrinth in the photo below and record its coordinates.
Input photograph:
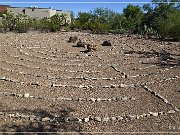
(47, 85)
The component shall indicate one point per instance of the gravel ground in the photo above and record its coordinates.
(47, 85)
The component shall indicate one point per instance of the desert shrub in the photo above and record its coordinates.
(22, 23)
(7, 21)
(68, 28)
(170, 28)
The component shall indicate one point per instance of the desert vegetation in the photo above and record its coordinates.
(160, 20)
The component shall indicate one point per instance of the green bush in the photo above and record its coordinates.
(68, 29)
(170, 28)
(22, 23)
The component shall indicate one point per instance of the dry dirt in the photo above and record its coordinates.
(131, 86)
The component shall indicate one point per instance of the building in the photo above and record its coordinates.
(36, 13)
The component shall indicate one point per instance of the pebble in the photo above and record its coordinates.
(45, 119)
(122, 85)
(125, 98)
(86, 119)
(26, 95)
(113, 118)
(92, 99)
(106, 119)
(171, 111)
(98, 99)
(97, 119)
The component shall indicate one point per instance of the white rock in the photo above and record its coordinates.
(122, 85)
(124, 98)
(113, 118)
(97, 119)
(92, 99)
(171, 111)
(98, 99)
(26, 95)
(86, 119)
(119, 118)
(45, 119)
(105, 119)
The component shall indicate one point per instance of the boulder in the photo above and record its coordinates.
(106, 43)
(73, 39)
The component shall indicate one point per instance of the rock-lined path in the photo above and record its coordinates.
(46, 84)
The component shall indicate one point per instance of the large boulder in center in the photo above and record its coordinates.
(106, 43)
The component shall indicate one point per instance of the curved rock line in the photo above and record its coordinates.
(47, 70)
(79, 99)
(51, 77)
(84, 86)
(56, 119)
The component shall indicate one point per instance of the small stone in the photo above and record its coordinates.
(26, 95)
(97, 119)
(113, 118)
(67, 99)
(137, 117)
(24, 116)
(79, 119)
(1, 113)
(122, 85)
(113, 86)
(109, 99)
(119, 118)
(106, 119)
(92, 99)
(114, 99)
(20, 95)
(124, 98)
(81, 99)
(86, 119)
(98, 99)
(171, 111)
(45, 119)
(31, 118)
(133, 116)
(160, 113)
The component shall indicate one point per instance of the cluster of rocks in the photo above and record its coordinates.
(55, 119)
(27, 95)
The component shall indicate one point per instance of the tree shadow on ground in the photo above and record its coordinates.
(58, 125)
(165, 59)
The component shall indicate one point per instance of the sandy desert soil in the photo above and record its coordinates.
(47, 85)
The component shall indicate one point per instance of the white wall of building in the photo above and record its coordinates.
(39, 13)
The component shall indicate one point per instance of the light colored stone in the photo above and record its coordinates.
(113, 86)
(113, 118)
(106, 119)
(45, 119)
(124, 98)
(98, 99)
(26, 95)
(97, 119)
(86, 119)
(92, 99)
(171, 111)
(137, 117)
(119, 118)
(122, 85)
